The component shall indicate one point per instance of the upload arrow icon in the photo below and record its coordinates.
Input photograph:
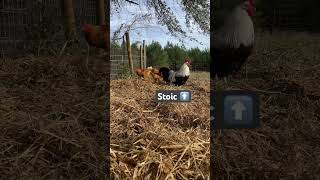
(235, 109)
(238, 107)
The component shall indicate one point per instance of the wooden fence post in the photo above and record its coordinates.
(141, 57)
(101, 13)
(129, 52)
(70, 26)
(124, 45)
(144, 54)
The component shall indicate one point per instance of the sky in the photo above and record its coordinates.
(151, 31)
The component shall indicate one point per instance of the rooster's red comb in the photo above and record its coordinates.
(187, 60)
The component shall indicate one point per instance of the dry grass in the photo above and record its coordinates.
(52, 119)
(284, 71)
(151, 140)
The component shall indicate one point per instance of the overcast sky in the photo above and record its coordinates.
(150, 30)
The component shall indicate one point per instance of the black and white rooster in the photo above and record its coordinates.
(232, 40)
(178, 78)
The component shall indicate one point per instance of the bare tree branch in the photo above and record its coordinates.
(132, 2)
(197, 12)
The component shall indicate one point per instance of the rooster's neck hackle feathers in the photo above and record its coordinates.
(183, 71)
(237, 30)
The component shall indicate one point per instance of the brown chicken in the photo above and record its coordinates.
(157, 77)
(144, 73)
(96, 35)
(155, 71)
(149, 72)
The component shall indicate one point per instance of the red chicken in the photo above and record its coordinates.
(96, 35)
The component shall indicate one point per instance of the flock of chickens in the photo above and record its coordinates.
(231, 45)
(167, 75)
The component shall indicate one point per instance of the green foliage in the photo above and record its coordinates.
(135, 47)
(156, 56)
(173, 55)
(176, 54)
(124, 72)
(199, 56)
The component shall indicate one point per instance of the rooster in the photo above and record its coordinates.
(177, 78)
(96, 36)
(233, 41)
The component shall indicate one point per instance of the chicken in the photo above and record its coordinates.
(96, 35)
(232, 41)
(157, 77)
(155, 71)
(177, 78)
(144, 73)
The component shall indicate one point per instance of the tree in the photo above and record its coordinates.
(197, 12)
(176, 54)
(70, 22)
(101, 13)
(195, 54)
(156, 55)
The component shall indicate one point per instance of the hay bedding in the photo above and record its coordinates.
(53, 119)
(151, 140)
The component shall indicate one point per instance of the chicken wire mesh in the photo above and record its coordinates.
(21, 21)
(119, 61)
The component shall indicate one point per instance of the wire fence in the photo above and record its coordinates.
(18, 18)
(119, 62)
(200, 66)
